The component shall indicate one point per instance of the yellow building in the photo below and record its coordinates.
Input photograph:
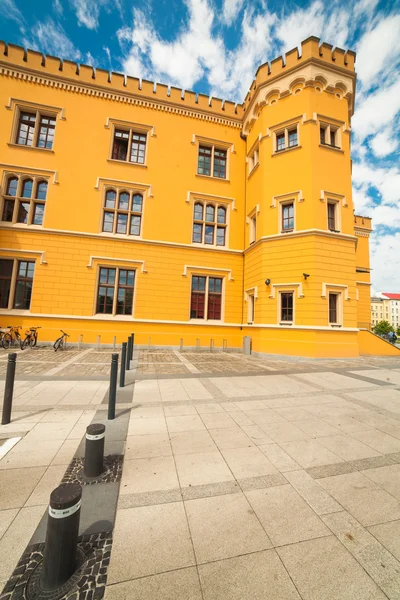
(129, 206)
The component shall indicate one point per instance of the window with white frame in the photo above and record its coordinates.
(329, 135)
(286, 138)
(35, 128)
(23, 199)
(253, 159)
(286, 307)
(253, 228)
(287, 216)
(333, 215)
(122, 211)
(335, 308)
(209, 224)
(16, 281)
(212, 161)
(115, 291)
(206, 298)
(129, 145)
(250, 307)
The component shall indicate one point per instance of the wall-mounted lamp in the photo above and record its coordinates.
(267, 281)
(306, 275)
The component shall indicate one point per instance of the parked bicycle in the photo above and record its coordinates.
(61, 343)
(31, 337)
(11, 336)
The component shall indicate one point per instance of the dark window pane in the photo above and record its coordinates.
(280, 141)
(197, 305)
(331, 216)
(210, 213)
(12, 187)
(197, 233)
(137, 204)
(123, 201)
(135, 224)
(333, 313)
(204, 161)
(322, 135)
(6, 268)
(221, 218)
(125, 292)
(23, 212)
(198, 212)
(38, 212)
(120, 145)
(220, 163)
(333, 137)
(286, 307)
(288, 217)
(27, 188)
(41, 190)
(46, 132)
(138, 149)
(110, 199)
(209, 234)
(26, 129)
(221, 236)
(108, 222)
(8, 210)
(292, 135)
(23, 286)
(122, 221)
(214, 306)
(198, 284)
(105, 294)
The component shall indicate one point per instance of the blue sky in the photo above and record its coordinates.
(215, 46)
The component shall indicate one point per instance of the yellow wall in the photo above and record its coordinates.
(312, 87)
(371, 344)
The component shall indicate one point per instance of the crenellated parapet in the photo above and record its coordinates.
(48, 70)
(362, 226)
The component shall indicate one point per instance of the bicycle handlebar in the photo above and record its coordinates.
(63, 332)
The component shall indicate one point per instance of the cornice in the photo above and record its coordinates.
(297, 234)
(98, 91)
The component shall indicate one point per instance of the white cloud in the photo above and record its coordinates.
(50, 38)
(9, 10)
(385, 261)
(385, 180)
(378, 50)
(231, 9)
(58, 7)
(88, 11)
(376, 111)
(383, 143)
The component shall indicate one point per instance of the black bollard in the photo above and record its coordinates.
(133, 344)
(9, 389)
(123, 365)
(59, 559)
(128, 353)
(94, 450)
(112, 394)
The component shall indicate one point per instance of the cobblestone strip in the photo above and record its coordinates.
(187, 364)
(75, 359)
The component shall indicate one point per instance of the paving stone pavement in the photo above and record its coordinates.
(274, 485)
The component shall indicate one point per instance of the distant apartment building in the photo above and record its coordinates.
(385, 307)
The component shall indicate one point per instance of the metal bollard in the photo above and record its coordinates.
(114, 342)
(133, 344)
(181, 345)
(197, 345)
(94, 450)
(246, 345)
(128, 353)
(9, 389)
(123, 364)
(211, 345)
(112, 394)
(59, 560)
(98, 342)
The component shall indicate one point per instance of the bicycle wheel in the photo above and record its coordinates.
(6, 341)
(58, 344)
(26, 342)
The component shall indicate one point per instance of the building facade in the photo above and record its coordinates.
(131, 206)
(385, 307)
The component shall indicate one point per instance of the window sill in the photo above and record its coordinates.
(210, 321)
(283, 232)
(126, 162)
(279, 152)
(253, 170)
(120, 236)
(50, 151)
(329, 147)
(212, 177)
(21, 225)
(17, 311)
(213, 246)
(108, 317)
(335, 325)
(286, 323)
(334, 230)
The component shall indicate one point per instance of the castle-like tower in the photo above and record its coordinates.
(130, 206)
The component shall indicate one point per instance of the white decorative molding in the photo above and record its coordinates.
(140, 126)
(125, 182)
(363, 283)
(41, 253)
(296, 194)
(36, 105)
(298, 285)
(221, 143)
(202, 196)
(357, 295)
(247, 293)
(335, 196)
(335, 286)
(117, 260)
(202, 268)
(22, 169)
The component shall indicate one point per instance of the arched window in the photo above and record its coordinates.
(124, 217)
(209, 224)
(12, 186)
(27, 187)
(41, 190)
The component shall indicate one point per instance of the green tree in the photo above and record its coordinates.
(398, 332)
(383, 327)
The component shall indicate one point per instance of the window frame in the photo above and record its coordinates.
(280, 307)
(339, 307)
(328, 129)
(206, 298)
(129, 212)
(251, 308)
(39, 114)
(337, 216)
(19, 199)
(203, 222)
(253, 158)
(285, 132)
(116, 287)
(131, 129)
(282, 205)
(14, 281)
(213, 147)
